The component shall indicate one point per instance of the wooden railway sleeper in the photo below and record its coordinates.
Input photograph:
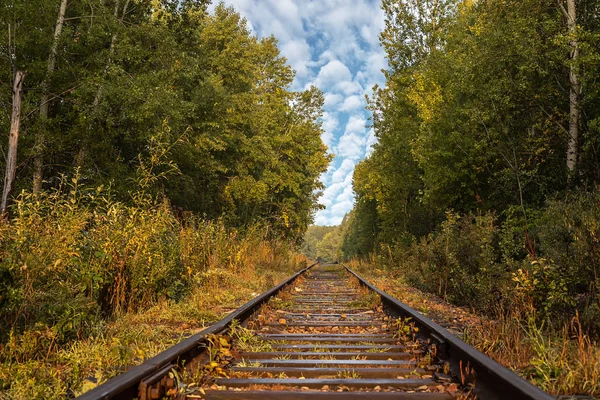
(443, 360)
(157, 385)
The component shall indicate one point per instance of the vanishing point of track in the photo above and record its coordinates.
(324, 333)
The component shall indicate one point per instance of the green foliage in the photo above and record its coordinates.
(313, 236)
(248, 150)
(472, 127)
(569, 237)
(329, 249)
(75, 255)
(473, 115)
(549, 271)
(459, 262)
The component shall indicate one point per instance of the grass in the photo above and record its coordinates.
(78, 366)
(565, 362)
(559, 361)
(246, 340)
(90, 287)
(348, 374)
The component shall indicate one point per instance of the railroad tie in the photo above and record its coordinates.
(325, 337)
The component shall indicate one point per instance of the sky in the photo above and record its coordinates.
(333, 45)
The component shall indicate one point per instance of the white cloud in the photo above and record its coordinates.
(351, 146)
(330, 124)
(332, 100)
(371, 140)
(346, 195)
(333, 73)
(342, 172)
(352, 103)
(298, 54)
(333, 45)
(349, 87)
(355, 124)
(338, 199)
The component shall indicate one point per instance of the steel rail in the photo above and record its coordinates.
(126, 385)
(492, 380)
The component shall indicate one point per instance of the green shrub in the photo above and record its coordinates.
(460, 262)
(75, 256)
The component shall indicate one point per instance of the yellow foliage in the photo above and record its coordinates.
(426, 94)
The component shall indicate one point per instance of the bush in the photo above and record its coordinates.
(547, 263)
(460, 262)
(570, 239)
(75, 256)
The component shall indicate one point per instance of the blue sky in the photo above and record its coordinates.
(334, 45)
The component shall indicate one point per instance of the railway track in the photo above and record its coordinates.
(325, 333)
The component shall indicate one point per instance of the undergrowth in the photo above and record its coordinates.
(563, 360)
(91, 285)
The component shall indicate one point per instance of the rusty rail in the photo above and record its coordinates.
(328, 333)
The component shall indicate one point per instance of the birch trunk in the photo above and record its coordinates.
(13, 141)
(38, 171)
(574, 93)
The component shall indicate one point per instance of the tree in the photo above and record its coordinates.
(11, 157)
(472, 119)
(44, 98)
(105, 77)
(574, 86)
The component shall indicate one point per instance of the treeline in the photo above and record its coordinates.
(159, 148)
(483, 184)
(113, 85)
(315, 242)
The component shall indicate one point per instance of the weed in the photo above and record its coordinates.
(405, 329)
(246, 339)
(377, 350)
(248, 364)
(91, 286)
(348, 374)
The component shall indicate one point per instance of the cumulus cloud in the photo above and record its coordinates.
(330, 124)
(342, 172)
(332, 100)
(352, 103)
(332, 73)
(352, 143)
(336, 209)
(351, 146)
(371, 140)
(298, 55)
(335, 47)
(355, 124)
(334, 213)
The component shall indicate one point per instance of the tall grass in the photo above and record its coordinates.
(560, 362)
(75, 259)
(534, 287)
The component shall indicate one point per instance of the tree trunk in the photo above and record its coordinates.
(574, 93)
(82, 153)
(38, 171)
(13, 141)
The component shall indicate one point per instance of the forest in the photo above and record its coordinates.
(483, 185)
(157, 154)
(159, 172)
